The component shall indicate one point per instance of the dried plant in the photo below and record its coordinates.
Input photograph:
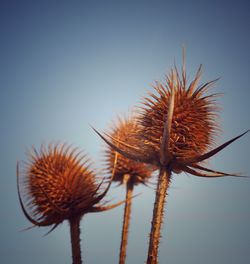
(176, 130)
(59, 185)
(126, 172)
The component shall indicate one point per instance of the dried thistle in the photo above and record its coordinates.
(176, 130)
(126, 129)
(59, 185)
(126, 172)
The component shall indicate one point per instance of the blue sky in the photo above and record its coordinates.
(68, 64)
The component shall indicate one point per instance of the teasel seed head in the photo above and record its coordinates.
(193, 119)
(58, 184)
(177, 126)
(125, 130)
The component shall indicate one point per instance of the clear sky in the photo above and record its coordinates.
(68, 64)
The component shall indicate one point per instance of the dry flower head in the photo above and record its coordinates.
(126, 129)
(58, 184)
(176, 127)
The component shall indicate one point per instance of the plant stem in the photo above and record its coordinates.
(126, 221)
(161, 192)
(75, 239)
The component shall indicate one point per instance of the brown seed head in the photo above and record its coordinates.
(58, 184)
(125, 130)
(193, 125)
(176, 127)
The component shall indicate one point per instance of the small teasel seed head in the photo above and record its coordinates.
(58, 183)
(125, 130)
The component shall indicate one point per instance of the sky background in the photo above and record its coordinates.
(68, 64)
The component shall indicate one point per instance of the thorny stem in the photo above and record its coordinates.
(161, 192)
(75, 239)
(126, 221)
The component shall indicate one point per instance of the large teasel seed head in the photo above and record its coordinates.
(58, 184)
(179, 122)
(176, 126)
(194, 117)
(125, 130)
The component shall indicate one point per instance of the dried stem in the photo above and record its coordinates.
(126, 221)
(75, 239)
(161, 192)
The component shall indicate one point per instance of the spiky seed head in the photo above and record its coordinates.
(193, 125)
(58, 184)
(176, 127)
(125, 130)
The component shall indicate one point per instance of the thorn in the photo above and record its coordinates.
(213, 171)
(209, 154)
(52, 229)
(211, 175)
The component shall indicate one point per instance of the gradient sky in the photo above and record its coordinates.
(68, 64)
